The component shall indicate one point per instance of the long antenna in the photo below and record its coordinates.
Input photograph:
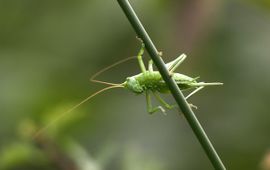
(92, 79)
(73, 108)
(111, 86)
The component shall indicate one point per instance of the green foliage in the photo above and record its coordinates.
(22, 155)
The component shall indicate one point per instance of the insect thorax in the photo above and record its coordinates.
(145, 81)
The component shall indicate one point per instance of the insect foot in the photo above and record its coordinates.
(160, 53)
(158, 108)
(193, 106)
(161, 109)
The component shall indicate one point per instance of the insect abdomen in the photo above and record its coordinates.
(183, 81)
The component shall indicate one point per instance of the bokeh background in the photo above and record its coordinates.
(50, 49)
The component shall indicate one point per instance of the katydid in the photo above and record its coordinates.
(151, 81)
(148, 81)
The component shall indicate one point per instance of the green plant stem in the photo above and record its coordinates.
(176, 92)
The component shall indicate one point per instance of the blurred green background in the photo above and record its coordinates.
(50, 49)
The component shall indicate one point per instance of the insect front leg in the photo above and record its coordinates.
(171, 66)
(164, 103)
(150, 109)
(140, 60)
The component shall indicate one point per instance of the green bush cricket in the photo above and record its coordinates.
(148, 81)
(151, 81)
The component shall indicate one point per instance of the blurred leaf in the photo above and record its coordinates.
(19, 155)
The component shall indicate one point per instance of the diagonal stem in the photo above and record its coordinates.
(177, 94)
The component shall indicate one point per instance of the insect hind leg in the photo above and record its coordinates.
(171, 66)
(140, 60)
